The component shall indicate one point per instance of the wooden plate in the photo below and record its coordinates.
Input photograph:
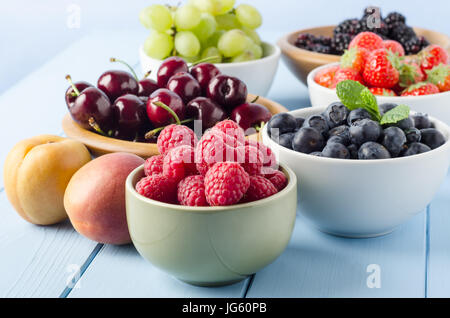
(100, 145)
(301, 61)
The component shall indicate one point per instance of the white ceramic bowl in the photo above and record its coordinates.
(364, 198)
(436, 105)
(258, 75)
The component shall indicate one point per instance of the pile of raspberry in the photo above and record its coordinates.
(222, 168)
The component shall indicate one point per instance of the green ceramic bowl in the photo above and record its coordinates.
(211, 246)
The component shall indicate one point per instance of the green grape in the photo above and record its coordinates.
(158, 45)
(206, 27)
(248, 16)
(157, 17)
(256, 50)
(190, 59)
(210, 6)
(233, 43)
(210, 52)
(225, 6)
(227, 22)
(187, 17)
(187, 44)
(213, 40)
(252, 35)
(243, 57)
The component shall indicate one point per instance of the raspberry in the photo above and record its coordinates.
(232, 130)
(277, 178)
(269, 157)
(253, 161)
(173, 136)
(259, 188)
(153, 165)
(191, 191)
(179, 163)
(226, 183)
(158, 187)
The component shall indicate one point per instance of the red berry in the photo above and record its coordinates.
(440, 76)
(325, 77)
(277, 178)
(422, 88)
(259, 188)
(346, 74)
(191, 191)
(410, 73)
(232, 129)
(173, 136)
(394, 46)
(354, 58)
(153, 165)
(253, 160)
(367, 40)
(432, 56)
(226, 183)
(179, 163)
(269, 157)
(158, 187)
(380, 71)
(382, 91)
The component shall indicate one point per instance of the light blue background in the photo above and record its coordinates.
(34, 31)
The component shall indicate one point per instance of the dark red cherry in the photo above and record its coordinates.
(250, 115)
(185, 86)
(203, 73)
(157, 114)
(71, 95)
(170, 67)
(146, 87)
(227, 91)
(117, 83)
(130, 116)
(206, 110)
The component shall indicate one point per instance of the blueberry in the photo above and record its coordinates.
(285, 140)
(384, 108)
(341, 131)
(353, 149)
(318, 122)
(317, 153)
(416, 148)
(432, 137)
(281, 123)
(421, 121)
(357, 114)
(373, 150)
(336, 114)
(394, 139)
(403, 124)
(300, 121)
(364, 130)
(308, 140)
(337, 140)
(336, 150)
(413, 135)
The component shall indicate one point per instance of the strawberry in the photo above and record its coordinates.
(355, 58)
(346, 74)
(432, 56)
(410, 73)
(422, 88)
(440, 76)
(382, 91)
(367, 40)
(380, 69)
(325, 77)
(394, 46)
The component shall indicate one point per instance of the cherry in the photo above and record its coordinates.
(250, 115)
(163, 106)
(146, 87)
(71, 95)
(203, 73)
(91, 109)
(227, 91)
(170, 67)
(130, 116)
(185, 86)
(206, 110)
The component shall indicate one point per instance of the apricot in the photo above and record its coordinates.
(36, 173)
(95, 198)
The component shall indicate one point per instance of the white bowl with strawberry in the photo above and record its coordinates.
(421, 81)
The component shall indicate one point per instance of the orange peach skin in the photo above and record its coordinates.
(36, 174)
(95, 198)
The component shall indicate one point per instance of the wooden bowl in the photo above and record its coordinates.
(100, 145)
(301, 61)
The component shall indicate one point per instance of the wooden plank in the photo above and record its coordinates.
(320, 265)
(438, 280)
(119, 271)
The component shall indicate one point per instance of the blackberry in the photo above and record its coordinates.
(340, 43)
(401, 33)
(393, 18)
(412, 46)
(319, 48)
(423, 42)
(361, 26)
(304, 40)
(347, 26)
(324, 40)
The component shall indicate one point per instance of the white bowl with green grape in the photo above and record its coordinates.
(212, 31)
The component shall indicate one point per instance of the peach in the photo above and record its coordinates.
(95, 198)
(36, 173)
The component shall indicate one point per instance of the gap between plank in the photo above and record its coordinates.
(83, 269)
(248, 285)
(427, 247)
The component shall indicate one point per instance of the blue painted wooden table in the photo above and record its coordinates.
(55, 261)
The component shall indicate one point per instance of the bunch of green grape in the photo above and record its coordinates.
(203, 29)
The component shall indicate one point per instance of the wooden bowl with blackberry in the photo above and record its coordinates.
(123, 113)
(306, 49)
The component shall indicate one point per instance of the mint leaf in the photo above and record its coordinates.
(395, 115)
(355, 95)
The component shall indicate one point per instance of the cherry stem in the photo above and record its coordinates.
(96, 127)
(259, 127)
(255, 99)
(147, 74)
(164, 106)
(113, 59)
(206, 59)
(75, 89)
(153, 132)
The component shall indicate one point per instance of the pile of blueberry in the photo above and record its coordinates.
(344, 134)
(392, 27)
